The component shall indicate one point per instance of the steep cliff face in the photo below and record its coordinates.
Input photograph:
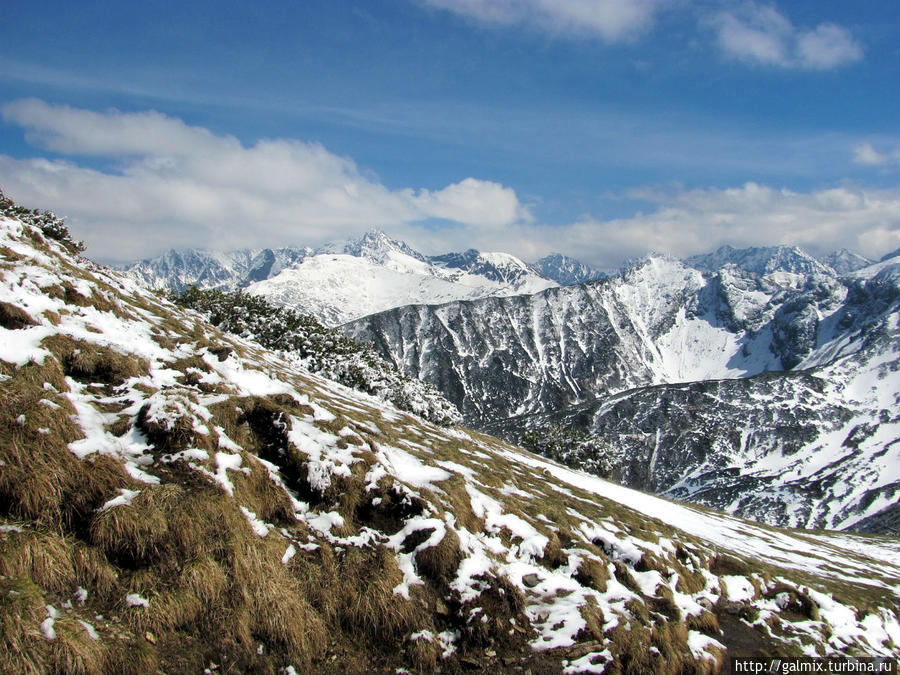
(660, 321)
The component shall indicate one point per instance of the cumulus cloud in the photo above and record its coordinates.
(176, 184)
(610, 20)
(760, 34)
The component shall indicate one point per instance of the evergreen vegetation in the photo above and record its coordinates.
(302, 339)
(574, 448)
(48, 222)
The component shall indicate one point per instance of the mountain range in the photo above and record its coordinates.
(177, 499)
(342, 281)
(757, 381)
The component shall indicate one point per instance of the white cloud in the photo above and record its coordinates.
(610, 20)
(687, 222)
(182, 185)
(698, 221)
(867, 155)
(760, 34)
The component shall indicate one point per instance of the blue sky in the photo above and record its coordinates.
(599, 128)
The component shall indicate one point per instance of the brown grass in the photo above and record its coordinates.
(21, 612)
(14, 318)
(88, 362)
(593, 573)
(42, 481)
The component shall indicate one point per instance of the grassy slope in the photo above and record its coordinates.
(172, 497)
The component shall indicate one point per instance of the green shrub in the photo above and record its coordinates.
(302, 339)
(51, 225)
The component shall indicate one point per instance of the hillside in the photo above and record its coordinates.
(173, 498)
(756, 381)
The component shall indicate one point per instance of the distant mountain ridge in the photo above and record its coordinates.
(566, 271)
(341, 281)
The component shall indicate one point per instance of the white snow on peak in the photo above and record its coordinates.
(339, 287)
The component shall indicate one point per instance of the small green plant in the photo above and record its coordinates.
(47, 222)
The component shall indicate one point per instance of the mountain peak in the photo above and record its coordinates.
(759, 260)
(374, 245)
(846, 261)
(565, 270)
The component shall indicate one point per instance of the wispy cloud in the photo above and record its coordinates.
(610, 20)
(183, 185)
(867, 155)
(760, 34)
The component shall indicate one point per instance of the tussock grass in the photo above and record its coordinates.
(593, 573)
(367, 600)
(21, 612)
(14, 318)
(73, 651)
(488, 620)
(167, 427)
(42, 481)
(88, 362)
(440, 563)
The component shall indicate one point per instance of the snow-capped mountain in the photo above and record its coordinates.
(177, 270)
(845, 262)
(176, 499)
(660, 321)
(660, 360)
(343, 281)
(566, 271)
(759, 260)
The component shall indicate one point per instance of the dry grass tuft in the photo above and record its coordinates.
(387, 507)
(277, 610)
(88, 362)
(262, 495)
(593, 619)
(168, 429)
(42, 557)
(488, 619)
(73, 651)
(593, 573)
(554, 555)
(14, 318)
(21, 612)
(796, 603)
(705, 622)
(132, 657)
(665, 604)
(440, 563)
(367, 602)
(423, 655)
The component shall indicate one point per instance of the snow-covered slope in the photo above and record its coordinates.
(343, 281)
(660, 321)
(176, 499)
(815, 448)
